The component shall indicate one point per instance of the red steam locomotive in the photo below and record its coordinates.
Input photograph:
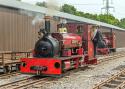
(109, 39)
(56, 53)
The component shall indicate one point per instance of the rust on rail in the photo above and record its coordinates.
(113, 77)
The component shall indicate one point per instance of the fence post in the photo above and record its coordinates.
(3, 59)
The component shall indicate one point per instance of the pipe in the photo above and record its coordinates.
(47, 24)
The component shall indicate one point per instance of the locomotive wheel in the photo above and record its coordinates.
(114, 50)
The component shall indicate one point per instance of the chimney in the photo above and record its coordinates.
(47, 24)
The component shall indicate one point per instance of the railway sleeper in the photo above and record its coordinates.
(121, 78)
(111, 85)
(123, 75)
(116, 82)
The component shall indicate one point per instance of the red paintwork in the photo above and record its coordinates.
(87, 61)
(48, 62)
(110, 39)
(66, 52)
(77, 62)
(80, 51)
(88, 45)
(69, 40)
(113, 40)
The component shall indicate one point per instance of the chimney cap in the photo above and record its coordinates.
(47, 17)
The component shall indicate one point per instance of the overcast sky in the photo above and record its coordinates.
(92, 6)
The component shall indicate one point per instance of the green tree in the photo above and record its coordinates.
(110, 19)
(42, 4)
(122, 23)
(68, 9)
(79, 13)
(18, 0)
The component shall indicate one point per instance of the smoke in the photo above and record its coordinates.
(38, 18)
(52, 6)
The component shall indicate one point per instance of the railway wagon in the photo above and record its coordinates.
(9, 61)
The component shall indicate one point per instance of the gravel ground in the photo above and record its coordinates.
(120, 49)
(13, 79)
(86, 79)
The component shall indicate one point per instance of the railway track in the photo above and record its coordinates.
(37, 82)
(9, 75)
(22, 83)
(41, 83)
(116, 81)
(111, 56)
(33, 82)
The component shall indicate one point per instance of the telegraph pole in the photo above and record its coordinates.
(107, 6)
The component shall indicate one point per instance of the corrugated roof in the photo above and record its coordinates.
(34, 8)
